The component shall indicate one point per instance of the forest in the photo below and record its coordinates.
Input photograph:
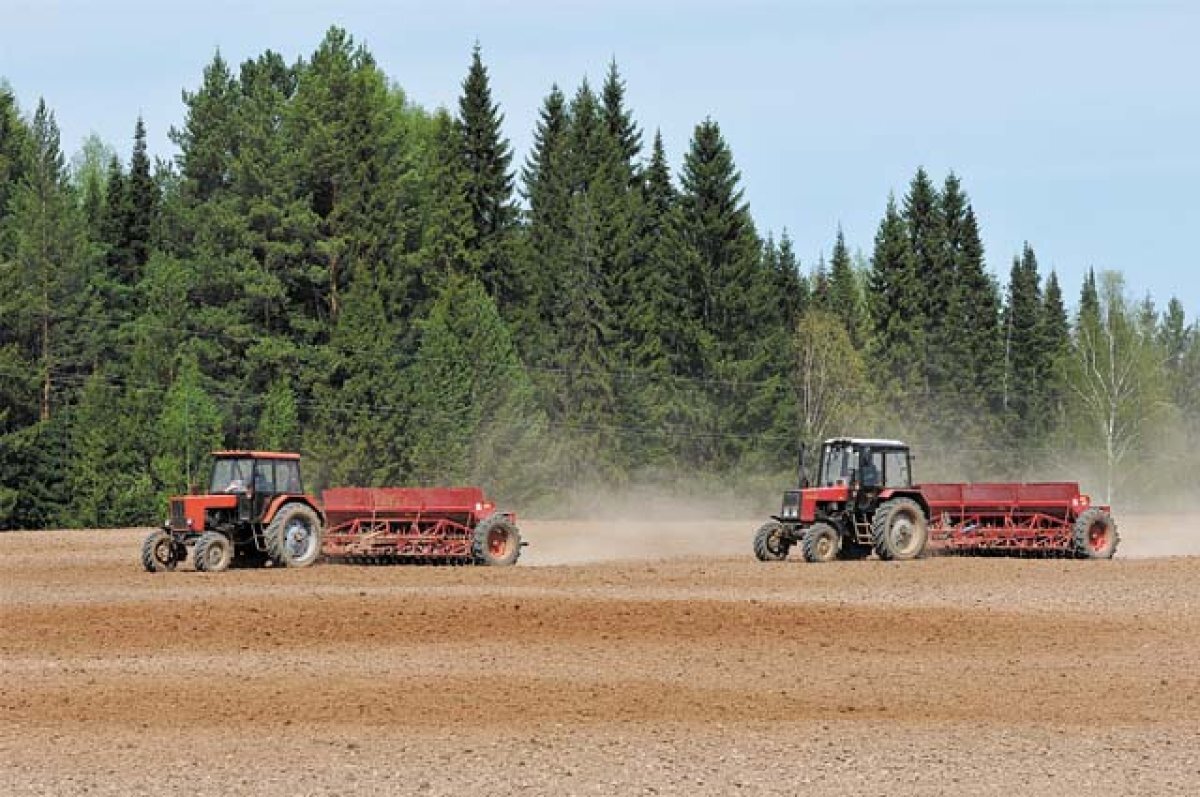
(327, 267)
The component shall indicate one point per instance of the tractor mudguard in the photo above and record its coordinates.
(280, 500)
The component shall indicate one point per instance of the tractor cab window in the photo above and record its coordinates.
(264, 476)
(231, 475)
(836, 464)
(287, 476)
(871, 464)
(895, 472)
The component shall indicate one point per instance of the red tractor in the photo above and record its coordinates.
(255, 512)
(864, 501)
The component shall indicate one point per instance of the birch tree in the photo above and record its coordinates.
(1115, 378)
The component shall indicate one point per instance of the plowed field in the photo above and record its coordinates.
(615, 659)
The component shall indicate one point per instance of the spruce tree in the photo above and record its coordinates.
(619, 121)
(896, 303)
(1026, 365)
(845, 298)
(547, 190)
(487, 159)
(738, 307)
(668, 348)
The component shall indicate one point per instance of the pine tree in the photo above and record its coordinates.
(207, 140)
(40, 293)
(739, 309)
(897, 313)
(926, 225)
(845, 298)
(619, 121)
(1056, 337)
(487, 159)
(1026, 369)
(668, 348)
(144, 203)
(547, 190)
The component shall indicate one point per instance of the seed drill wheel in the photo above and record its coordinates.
(294, 536)
(821, 543)
(1094, 535)
(214, 552)
(899, 530)
(770, 542)
(160, 552)
(497, 541)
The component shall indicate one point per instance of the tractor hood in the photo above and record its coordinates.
(187, 511)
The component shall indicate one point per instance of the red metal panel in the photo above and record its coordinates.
(408, 499)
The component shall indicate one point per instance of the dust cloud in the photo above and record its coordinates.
(649, 523)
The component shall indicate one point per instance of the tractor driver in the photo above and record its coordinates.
(868, 474)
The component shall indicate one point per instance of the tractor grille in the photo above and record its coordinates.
(791, 504)
(178, 518)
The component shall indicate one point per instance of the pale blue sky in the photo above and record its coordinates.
(1072, 124)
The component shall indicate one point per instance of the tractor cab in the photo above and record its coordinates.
(256, 478)
(851, 473)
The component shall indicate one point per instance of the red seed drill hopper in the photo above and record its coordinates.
(454, 525)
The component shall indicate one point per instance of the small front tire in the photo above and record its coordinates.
(160, 552)
(770, 542)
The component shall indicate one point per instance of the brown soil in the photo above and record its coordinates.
(616, 659)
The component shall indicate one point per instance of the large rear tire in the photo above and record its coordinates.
(293, 536)
(899, 530)
(214, 552)
(822, 542)
(497, 542)
(160, 552)
(770, 542)
(1094, 535)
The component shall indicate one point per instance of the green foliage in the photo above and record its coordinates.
(475, 419)
(188, 428)
(327, 267)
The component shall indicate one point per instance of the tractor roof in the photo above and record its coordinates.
(868, 441)
(254, 455)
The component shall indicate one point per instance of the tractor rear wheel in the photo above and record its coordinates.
(1094, 535)
(899, 530)
(770, 542)
(160, 552)
(497, 542)
(214, 552)
(821, 543)
(293, 537)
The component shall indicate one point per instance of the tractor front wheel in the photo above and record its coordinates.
(497, 541)
(293, 537)
(160, 552)
(899, 530)
(770, 542)
(1094, 535)
(214, 552)
(821, 543)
